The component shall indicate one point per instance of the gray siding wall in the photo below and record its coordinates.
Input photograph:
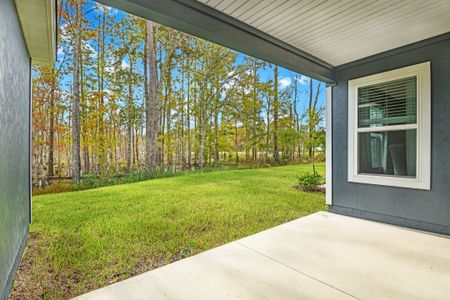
(14, 143)
(427, 210)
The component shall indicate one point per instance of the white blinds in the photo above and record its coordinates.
(388, 103)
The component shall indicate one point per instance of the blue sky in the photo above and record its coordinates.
(285, 76)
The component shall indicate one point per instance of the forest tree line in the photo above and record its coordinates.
(128, 94)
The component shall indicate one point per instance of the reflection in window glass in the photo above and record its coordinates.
(388, 152)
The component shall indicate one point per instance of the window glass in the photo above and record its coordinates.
(388, 152)
(389, 128)
(388, 103)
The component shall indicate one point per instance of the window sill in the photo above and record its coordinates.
(392, 181)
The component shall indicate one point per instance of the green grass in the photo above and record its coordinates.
(84, 240)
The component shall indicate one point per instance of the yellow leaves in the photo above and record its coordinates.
(90, 34)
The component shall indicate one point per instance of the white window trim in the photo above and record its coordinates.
(423, 126)
(329, 150)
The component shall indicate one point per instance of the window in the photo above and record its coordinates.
(389, 132)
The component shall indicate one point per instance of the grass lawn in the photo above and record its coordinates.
(80, 241)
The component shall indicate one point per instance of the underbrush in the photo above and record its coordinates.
(92, 181)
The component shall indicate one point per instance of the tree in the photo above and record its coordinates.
(276, 107)
(77, 30)
(172, 42)
(216, 71)
(313, 117)
(51, 109)
(152, 105)
(126, 89)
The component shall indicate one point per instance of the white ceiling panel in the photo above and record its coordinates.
(338, 31)
(37, 18)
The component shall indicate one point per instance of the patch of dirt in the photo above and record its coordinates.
(145, 265)
(36, 278)
(32, 282)
(25, 285)
(319, 189)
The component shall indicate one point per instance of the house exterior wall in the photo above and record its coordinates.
(421, 209)
(14, 143)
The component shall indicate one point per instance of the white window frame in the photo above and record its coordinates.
(329, 149)
(423, 127)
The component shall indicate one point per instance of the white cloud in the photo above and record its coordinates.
(63, 28)
(109, 68)
(92, 51)
(285, 82)
(124, 64)
(60, 52)
(100, 8)
(65, 35)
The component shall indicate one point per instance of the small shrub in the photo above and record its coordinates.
(319, 157)
(310, 182)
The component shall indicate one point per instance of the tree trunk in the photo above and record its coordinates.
(76, 166)
(51, 137)
(146, 86)
(152, 109)
(310, 125)
(136, 145)
(182, 121)
(83, 120)
(168, 111)
(312, 108)
(162, 121)
(296, 117)
(236, 149)
(59, 147)
(268, 128)
(188, 116)
(216, 137)
(102, 153)
(133, 146)
(130, 117)
(255, 108)
(276, 105)
(201, 150)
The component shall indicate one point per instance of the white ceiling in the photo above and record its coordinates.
(37, 18)
(341, 31)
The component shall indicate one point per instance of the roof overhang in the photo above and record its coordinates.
(310, 37)
(38, 21)
(340, 32)
(205, 22)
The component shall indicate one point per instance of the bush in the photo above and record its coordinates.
(319, 157)
(310, 182)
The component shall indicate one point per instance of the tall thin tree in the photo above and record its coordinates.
(276, 107)
(76, 162)
(152, 107)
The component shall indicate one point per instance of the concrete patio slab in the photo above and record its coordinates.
(321, 256)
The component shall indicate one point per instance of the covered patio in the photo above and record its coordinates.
(321, 256)
(387, 69)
